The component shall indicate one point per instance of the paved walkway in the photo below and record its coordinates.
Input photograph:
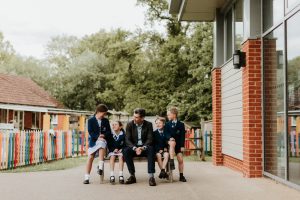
(205, 181)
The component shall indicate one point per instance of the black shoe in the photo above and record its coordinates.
(121, 179)
(152, 181)
(99, 171)
(172, 164)
(112, 179)
(131, 180)
(182, 179)
(166, 176)
(162, 174)
(86, 181)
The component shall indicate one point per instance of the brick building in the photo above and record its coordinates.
(256, 84)
(26, 106)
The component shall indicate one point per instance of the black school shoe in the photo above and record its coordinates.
(112, 180)
(121, 179)
(131, 180)
(162, 174)
(86, 181)
(182, 179)
(99, 171)
(152, 181)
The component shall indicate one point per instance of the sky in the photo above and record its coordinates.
(30, 24)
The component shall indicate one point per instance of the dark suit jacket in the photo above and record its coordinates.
(131, 138)
(177, 132)
(160, 141)
(94, 131)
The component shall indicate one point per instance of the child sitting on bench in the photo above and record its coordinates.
(115, 150)
(161, 146)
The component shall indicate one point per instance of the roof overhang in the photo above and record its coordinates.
(196, 10)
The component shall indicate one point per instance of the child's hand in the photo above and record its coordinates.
(120, 151)
(116, 151)
(165, 149)
(160, 151)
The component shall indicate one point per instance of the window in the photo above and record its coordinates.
(3, 116)
(228, 38)
(18, 120)
(290, 4)
(293, 86)
(273, 12)
(274, 109)
(238, 25)
(36, 120)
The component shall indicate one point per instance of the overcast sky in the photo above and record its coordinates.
(29, 24)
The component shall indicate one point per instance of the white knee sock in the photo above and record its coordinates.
(112, 173)
(86, 177)
(120, 173)
(101, 163)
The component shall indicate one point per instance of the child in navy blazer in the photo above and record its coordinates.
(116, 150)
(161, 146)
(99, 138)
(176, 138)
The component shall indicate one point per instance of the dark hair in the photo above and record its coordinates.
(119, 122)
(162, 119)
(140, 111)
(101, 108)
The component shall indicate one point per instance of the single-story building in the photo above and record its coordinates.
(256, 83)
(26, 106)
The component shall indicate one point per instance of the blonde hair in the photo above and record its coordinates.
(173, 110)
(162, 119)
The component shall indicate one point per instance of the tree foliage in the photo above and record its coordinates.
(126, 69)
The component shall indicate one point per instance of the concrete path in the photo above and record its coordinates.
(205, 181)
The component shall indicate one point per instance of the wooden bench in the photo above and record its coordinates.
(143, 159)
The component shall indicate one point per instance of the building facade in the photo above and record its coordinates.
(256, 107)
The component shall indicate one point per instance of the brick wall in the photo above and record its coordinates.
(252, 110)
(233, 163)
(217, 117)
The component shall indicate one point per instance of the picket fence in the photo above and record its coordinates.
(33, 147)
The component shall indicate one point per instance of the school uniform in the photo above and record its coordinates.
(118, 143)
(160, 140)
(95, 128)
(176, 130)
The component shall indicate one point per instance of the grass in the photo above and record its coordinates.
(50, 166)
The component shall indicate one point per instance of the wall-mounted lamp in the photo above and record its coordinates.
(239, 59)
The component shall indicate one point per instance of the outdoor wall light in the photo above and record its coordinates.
(239, 59)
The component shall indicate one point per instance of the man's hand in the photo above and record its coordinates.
(138, 151)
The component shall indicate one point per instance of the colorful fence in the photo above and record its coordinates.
(34, 147)
(193, 141)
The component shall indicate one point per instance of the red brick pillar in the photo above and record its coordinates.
(217, 117)
(252, 110)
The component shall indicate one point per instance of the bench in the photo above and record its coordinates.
(142, 159)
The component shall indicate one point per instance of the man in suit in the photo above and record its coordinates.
(139, 138)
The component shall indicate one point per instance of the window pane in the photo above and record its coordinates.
(229, 35)
(274, 144)
(273, 12)
(293, 79)
(239, 25)
(292, 3)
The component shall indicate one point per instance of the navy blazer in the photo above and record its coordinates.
(94, 131)
(177, 132)
(119, 143)
(160, 141)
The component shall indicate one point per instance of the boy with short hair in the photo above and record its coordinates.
(99, 137)
(176, 138)
(161, 146)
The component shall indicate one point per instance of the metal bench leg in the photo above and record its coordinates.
(170, 172)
